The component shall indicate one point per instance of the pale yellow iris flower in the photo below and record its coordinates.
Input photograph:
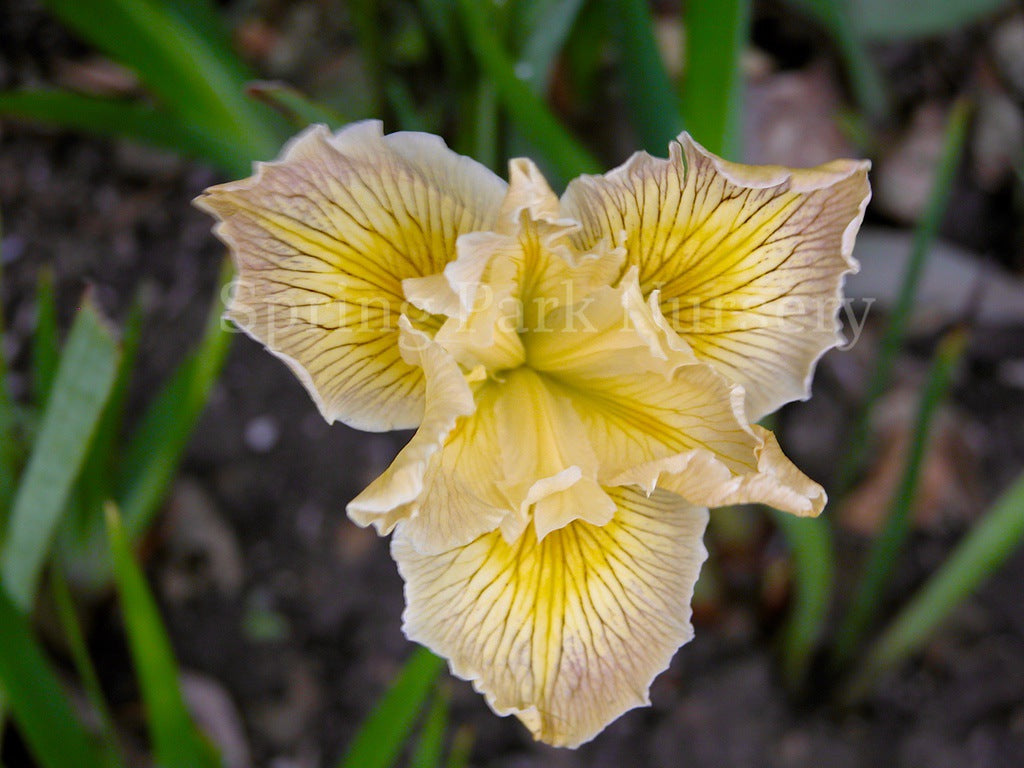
(583, 372)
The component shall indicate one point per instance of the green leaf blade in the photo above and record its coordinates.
(155, 450)
(177, 742)
(998, 535)
(650, 94)
(385, 732)
(45, 340)
(200, 83)
(82, 386)
(562, 151)
(124, 119)
(886, 548)
(712, 96)
(810, 541)
(36, 699)
(895, 332)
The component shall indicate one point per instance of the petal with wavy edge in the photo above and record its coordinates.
(460, 499)
(448, 395)
(548, 465)
(323, 238)
(749, 260)
(654, 416)
(566, 633)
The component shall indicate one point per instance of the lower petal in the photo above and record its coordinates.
(566, 633)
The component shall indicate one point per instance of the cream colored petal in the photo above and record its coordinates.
(528, 191)
(749, 260)
(323, 239)
(461, 499)
(699, 474)
(612, 331)
(393, 495)
(566, 633)
(549, 468)
(687, 434)
(508, 280)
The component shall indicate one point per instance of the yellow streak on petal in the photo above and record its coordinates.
(548, 465)
(323, 238)
(566, 633)
(749, 260)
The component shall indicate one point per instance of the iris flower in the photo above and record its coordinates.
(583, 373)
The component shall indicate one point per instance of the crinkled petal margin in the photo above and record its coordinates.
(566, 633)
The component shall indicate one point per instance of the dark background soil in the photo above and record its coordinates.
(276, 600)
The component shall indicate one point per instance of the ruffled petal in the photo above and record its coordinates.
(323, 239)
(749, 260)
(549, 468)
(656, 417)
(566, 633)
(392, 496)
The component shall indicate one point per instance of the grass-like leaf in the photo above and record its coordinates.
(298, 108)
(125, 119)
(837, 17)
(82, 538)
(177, 743)
(895, 332)
(158, 443)
(998, 535)
(810, 541)
(712, 97)
(36, 700)
(386, 731)
(429, 746)
(530, 113)
(540, 29)
(462, 746)
(886, 548)
(901, 19)
(83, 383)
(71, 627)
(45, 340)
(197, 80)
(652, 99)
(9, 449)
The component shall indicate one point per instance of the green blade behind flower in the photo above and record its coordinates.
(838, 19)
(712, 94)
(886, 548)
(45, 340)
(37, 701)
(82, 385)
(429, 747)
(155, 449)
(124, 119)
(650, 94)
(177, 743)
(383, 735)
(298, 108)
(9, 448)
(895, 332)
(997, 536)
(810, 541)
(71, 627)
(540, 29)
(562, 151)
(198, 79)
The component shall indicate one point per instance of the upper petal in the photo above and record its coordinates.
(323, 239)
(566, 633)
(749, 260)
